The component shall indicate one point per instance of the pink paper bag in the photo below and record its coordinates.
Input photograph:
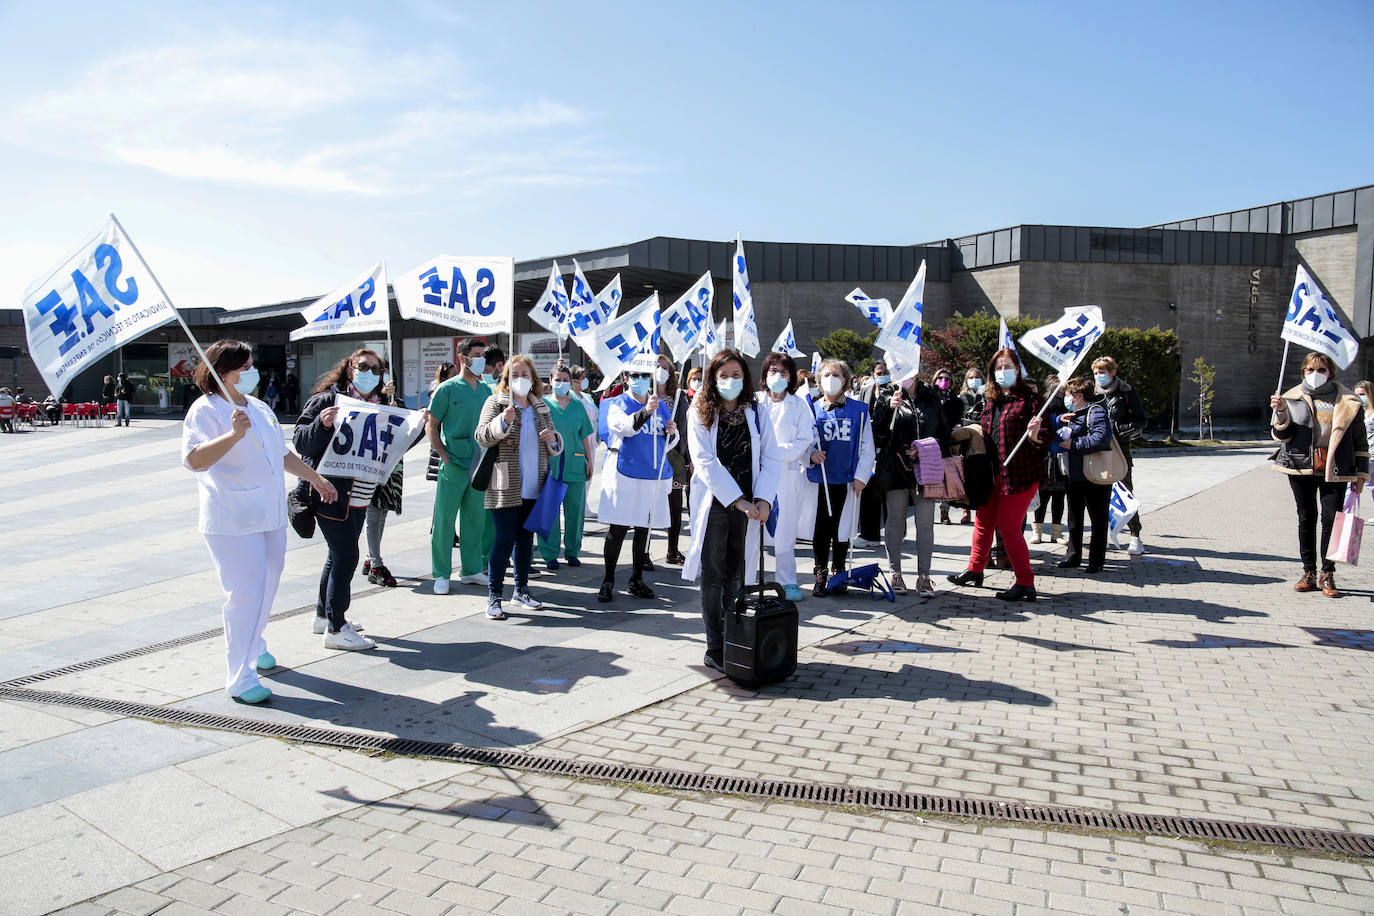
(1347, 533)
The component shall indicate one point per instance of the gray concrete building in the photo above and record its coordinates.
(1221, 281)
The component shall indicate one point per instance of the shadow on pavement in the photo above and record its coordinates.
(508, 809)
(824, 682)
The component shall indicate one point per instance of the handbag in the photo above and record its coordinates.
(1107, 465)
(951, 488)
(544, 513)
(299, 512)
(482, 468)
(1347, 533)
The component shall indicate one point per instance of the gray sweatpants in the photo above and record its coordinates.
(376, 524)
(894, 532)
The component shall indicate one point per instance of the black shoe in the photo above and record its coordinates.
(967, 577)
(1066, 563)
(820, 591)
(648, 565)
(1018, 593)
(638, 589)
(574, 562)
(603, 594)
(711, 663)
(1093, 569)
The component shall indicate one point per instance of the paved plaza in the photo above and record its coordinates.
(1189, 682)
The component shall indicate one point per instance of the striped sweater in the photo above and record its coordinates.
(504, 490)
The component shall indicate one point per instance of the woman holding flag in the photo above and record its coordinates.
(636, 478)
(242, 509)
(734, 481)
(794, 431)
(843, 464)
(1011, 411)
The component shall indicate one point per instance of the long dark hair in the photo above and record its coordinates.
(782, 361)
(708, 401)
(224, 356)
(1020, 388)
(342, 372)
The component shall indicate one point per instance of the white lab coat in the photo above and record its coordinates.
(632, 501)
(711, 480)
(243, 520)
(794, 429)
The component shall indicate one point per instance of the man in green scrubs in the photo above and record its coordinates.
(575, 426)
(453, 413)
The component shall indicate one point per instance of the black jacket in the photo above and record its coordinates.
(1125, 411)
(311, 438)
(924, 414)
(124, 390)
(972, 405)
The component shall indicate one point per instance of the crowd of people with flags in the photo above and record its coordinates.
(806, 454)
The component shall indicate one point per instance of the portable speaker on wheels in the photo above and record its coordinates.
(760, 634)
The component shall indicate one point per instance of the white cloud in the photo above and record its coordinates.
(323, 117)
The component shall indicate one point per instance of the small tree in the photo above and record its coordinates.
(1204, 376)
(849, 346)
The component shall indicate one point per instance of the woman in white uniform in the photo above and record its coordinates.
(734, 482)
(636, 478)
(238, 453)
(794, 430)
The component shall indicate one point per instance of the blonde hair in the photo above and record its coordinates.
(1105, 362)
(1313, 358)
(536, 386)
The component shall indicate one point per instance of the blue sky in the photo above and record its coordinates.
(260, 152)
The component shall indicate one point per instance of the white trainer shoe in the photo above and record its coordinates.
(321, 625)
(441, 586)
(865, 542)
(478, 578)
(494, 611)
(924, 587)
(348, 639)
(1136, 548)
(526, 600)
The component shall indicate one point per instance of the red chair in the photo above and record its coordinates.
(89, 411)
(110, 411)
(70, 412)
(28, 412)
(7, 417)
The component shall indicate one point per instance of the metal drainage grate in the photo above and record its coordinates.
(1330, 841)
(157, 647)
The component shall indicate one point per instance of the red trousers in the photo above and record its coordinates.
(1006, 515)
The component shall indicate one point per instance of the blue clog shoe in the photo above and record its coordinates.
(254, 695)
(792, 593)
(266, 661)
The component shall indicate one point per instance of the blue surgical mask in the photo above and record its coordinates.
(777, 382)
(882, 379)
(248, 380)
(640, 386)
(488, 379)
(1068, 402)
(1102, 379)
(1364, 399)
(975, 385)
(365, 382)
(478, 365)
(1005, 377)
(561, 389)
(729, 388)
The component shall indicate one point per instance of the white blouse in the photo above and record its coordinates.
(244, 492)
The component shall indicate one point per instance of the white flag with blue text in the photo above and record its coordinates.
(686, 322)
(608, 300)
(901, 336)
(816, 363)
(787, 342)
(1121, 508)
(715, 339)
(369, 439)
(1312, 322)
(1005, 342)
(97, 299)
(1063, 343)
(584, 317)
(628, 341)
(746, 327)
(360, 306)
(473, 294)
(551, 311)
(875, 311)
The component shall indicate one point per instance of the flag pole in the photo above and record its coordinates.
(1043, 407)
(1283, 367)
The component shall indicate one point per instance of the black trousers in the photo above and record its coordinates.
(674, 518)
(1308, 492)
(872, 511)
(722, 571)
(1095, 498)
(1054, 502)
(336, 579)
(615, 536)
(827, 534)
(1134, 524)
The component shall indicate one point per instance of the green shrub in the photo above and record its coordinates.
(849, 346)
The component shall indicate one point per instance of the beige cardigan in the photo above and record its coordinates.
(504, 490)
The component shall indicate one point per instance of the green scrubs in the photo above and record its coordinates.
(574, 425)
(457, 405)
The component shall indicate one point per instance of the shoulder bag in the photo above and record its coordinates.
(1105, 466)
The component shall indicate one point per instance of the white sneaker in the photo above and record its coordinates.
(525, 599)
(898, 584)
(924, 587)
(479, 578)
(348, 639)
(321, 625)
(441, 586)
(494, 611)
(1136, 548)
(865, 542)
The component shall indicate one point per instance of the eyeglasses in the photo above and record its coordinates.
(368, 367)
(447, 366)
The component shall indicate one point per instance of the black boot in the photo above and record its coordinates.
(603, 594)
(1018, 593)
(967, 577)
(820, 591)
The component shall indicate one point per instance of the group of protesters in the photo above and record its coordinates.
(838, 465)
